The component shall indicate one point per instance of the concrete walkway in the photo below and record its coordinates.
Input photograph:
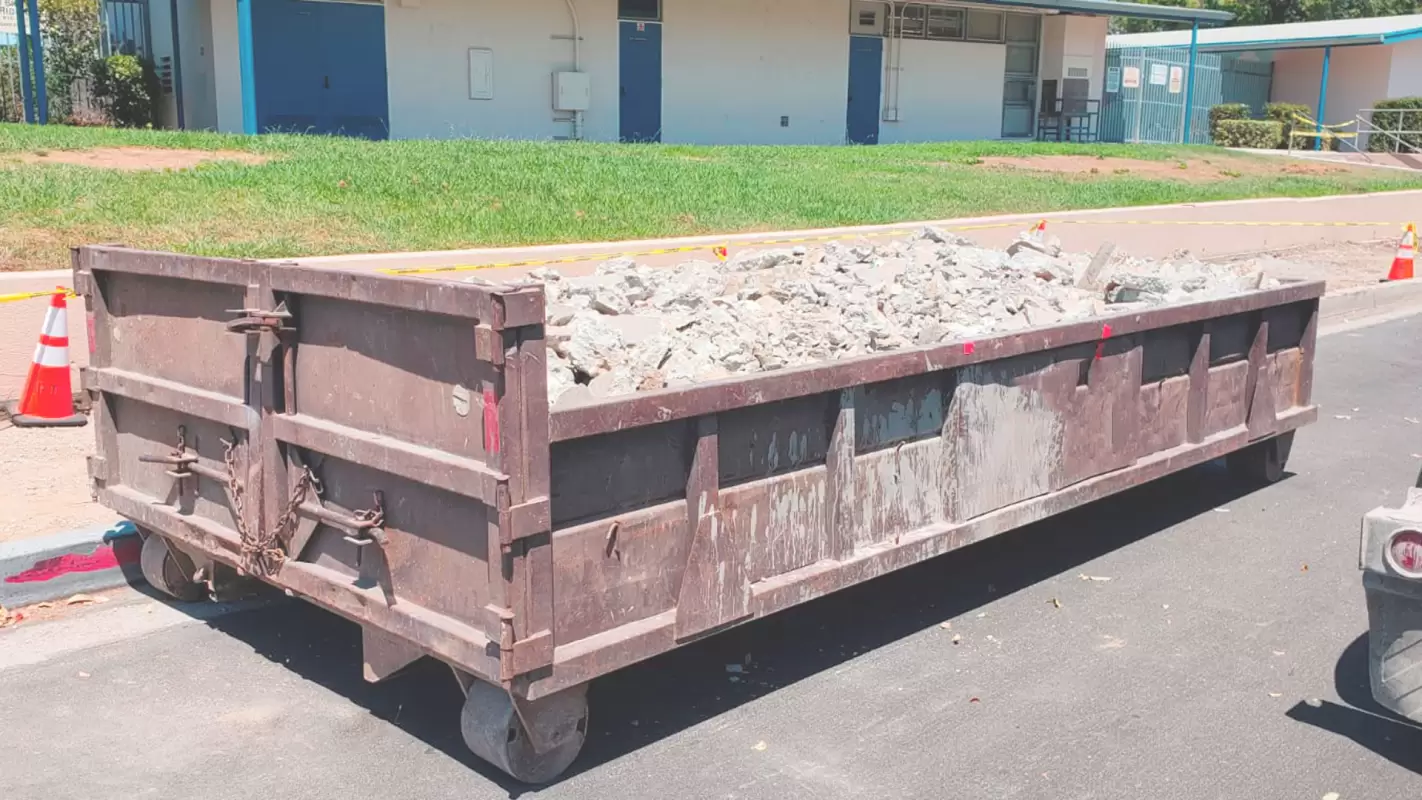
(1153, 231)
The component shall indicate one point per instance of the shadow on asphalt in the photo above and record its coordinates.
(657, 698)
(1363, 720)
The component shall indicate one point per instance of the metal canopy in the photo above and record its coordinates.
(1117, 8)
(1288, 36)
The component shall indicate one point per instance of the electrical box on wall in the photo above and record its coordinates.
(481, 73)
(572, 91)
(866, 18)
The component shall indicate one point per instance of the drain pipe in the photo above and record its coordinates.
(577, 67)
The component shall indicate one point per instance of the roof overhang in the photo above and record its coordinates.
(1117, 8)
(1289, 43)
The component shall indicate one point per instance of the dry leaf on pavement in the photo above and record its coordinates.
(946, 625)
(957, 638)
(1056, 603)
(82, 599)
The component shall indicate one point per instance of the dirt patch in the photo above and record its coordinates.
(46, 486)
(137, 158)
(1203, 170)
(1344, 265)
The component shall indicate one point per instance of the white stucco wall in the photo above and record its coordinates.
(947, 90)
(1405, 78)
(227, 82)
(427, 58)
(194, 61)
(1074, 41)
(731, 69)
(1357, 78)
(195, 47)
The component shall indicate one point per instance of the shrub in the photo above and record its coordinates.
(126, 88)
(1283, 113)
(1226, 111)
(1253, 133)
(1402, 114)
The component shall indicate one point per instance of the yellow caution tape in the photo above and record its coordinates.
(720, 250)
(18, 296)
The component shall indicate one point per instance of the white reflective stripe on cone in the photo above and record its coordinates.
(52, 356)
(56, 323)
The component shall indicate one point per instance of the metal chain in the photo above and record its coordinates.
(263, 551)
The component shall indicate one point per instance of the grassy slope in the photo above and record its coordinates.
(337, 195)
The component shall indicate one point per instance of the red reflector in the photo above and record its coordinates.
(1405, 553)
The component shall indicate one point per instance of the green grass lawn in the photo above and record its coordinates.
(325, 196)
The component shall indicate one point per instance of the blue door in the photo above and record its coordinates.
(320, 67)
(866, 62)
(640, 75)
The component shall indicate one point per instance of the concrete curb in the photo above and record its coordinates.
(1365, 303)
(54, 567)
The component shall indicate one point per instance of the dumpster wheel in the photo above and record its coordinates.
(164, 571)
(1262, 462)
(493, 730)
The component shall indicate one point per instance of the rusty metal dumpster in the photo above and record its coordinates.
(383, 447)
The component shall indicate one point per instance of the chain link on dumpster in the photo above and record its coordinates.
(263, 550)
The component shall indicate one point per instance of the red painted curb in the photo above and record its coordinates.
(121, 552)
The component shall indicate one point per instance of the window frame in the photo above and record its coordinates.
(999, 38)
(634, 18)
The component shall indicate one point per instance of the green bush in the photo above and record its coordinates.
(127, 89)
(1253, 133)
(1283, 113)
(1402, 114)
(1225, 111)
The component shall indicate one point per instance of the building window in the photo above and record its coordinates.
(944, 23)
(1019, 87)
(867, 19)
(984, 26)
(639, 9)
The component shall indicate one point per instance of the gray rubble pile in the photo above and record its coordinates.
(632, 328)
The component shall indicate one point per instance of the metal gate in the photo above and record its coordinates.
(1146, 87)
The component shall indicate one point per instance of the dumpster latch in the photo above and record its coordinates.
(368, 524)
(257, 320)
(180, 459)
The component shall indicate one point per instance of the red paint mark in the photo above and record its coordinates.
(89, 323)
(1101, 345)
(968, 348)
(491, 422)
(106, 556)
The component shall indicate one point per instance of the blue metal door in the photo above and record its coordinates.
(640, 74)
(353, 45)
(866, 62)
(320, 67)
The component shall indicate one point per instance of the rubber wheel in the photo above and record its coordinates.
(492, 730)
(1262, 462)
(163, 572)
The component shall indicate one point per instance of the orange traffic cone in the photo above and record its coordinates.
(1402, 262)
(1039, 232)
(48, 398)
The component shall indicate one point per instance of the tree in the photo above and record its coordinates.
(71, 30)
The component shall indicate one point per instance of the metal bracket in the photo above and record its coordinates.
(258, 320)
(523, 521)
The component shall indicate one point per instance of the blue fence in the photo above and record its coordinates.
(1144, 97)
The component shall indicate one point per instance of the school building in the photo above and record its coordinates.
(685, 71)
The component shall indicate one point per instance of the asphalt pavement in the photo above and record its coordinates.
(1225, 657)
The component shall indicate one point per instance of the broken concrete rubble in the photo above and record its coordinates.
(630, 327)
